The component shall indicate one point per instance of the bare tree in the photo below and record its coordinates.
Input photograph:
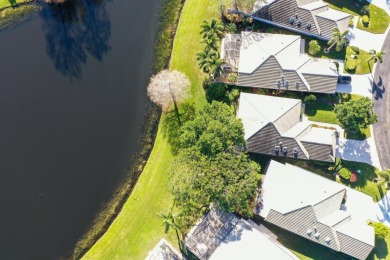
(169, 87)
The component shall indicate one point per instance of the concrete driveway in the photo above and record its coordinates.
(382, 210)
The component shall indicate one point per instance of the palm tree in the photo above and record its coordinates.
(214, 28)
(215, 67)
(338, 39)
(385, 174)
(211, 43)
(376, 55)
(169, 222)
(204, 58)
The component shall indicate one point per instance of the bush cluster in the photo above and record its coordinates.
(310, 99)
(365, 20)
(351, 65)
(345, 173)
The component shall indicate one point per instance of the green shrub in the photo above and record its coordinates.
(216, 91)
(314, 47)
(365, 20)
(231, 28)
(355, 49)
(233, 94)
(232, 77)
(351, 65)
(381, 230)
(310, 99)
(351, 22)
(365, 10)
(345, 173)
(256, 27)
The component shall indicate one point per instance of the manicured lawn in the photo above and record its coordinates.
(137, 229)
(333, 54)
(381, 250)
(8, 3)
(379, 20)
(363, 65)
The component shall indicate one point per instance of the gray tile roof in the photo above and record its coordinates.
(265, 130)
(307, 12)
(313, 210)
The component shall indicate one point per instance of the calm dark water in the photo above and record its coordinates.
(72, 100)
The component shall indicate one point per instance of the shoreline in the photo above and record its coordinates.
(169, 14)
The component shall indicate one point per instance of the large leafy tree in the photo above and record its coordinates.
(376, 55)
(213, 130)
(339, 39)
(355, 114)
(228, 180)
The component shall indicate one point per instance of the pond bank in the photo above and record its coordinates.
(169, 16)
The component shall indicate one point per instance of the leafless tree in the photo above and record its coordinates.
(169, 87)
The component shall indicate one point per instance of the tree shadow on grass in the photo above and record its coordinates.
(171, 126)
(380, 250)
(312, 109)
(12, 2)
(367, 173)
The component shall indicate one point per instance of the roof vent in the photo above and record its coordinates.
(308, 26)
(327, 240)
(291, 20)
(286, 83)
(317, 235)
(284, 150)
(296, 84)
(309, 232)
(295, 152)
(299, 22)
(276, 150)
(278, 83)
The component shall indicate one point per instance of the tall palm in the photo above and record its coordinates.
(211, 43)
(204, 58)
(339, 39)
(385, 174)
(211, 28)
(169, 222)
(376, 55)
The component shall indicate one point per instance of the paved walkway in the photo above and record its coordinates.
(366, 40)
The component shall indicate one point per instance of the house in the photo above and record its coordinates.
(219, 235)
(164, 251)
(273, 126)
(307, 16)
(277, 61)
(311, 206)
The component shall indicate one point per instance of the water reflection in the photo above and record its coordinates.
(74, 29)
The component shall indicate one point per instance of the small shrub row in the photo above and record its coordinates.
(345, 173)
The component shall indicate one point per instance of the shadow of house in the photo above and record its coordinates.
(74, 29)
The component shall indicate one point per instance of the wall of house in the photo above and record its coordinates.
(321, 83)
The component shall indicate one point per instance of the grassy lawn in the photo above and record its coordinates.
(137, 229)
(363, 65)
(379, 20)
(8, 3)
(322, 111)
(333, 54)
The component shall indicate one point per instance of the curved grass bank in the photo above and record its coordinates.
(10, 17)
(137, 229)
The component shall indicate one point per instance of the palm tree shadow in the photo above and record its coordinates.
(73, 30)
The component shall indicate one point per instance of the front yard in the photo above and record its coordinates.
(358, 61)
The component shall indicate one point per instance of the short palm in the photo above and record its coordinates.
(339, 39)
(210, 29)
(206, 58)
(376, 55)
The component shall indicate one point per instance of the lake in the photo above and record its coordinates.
(72, 101)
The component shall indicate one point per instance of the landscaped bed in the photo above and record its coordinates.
(358, 61)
